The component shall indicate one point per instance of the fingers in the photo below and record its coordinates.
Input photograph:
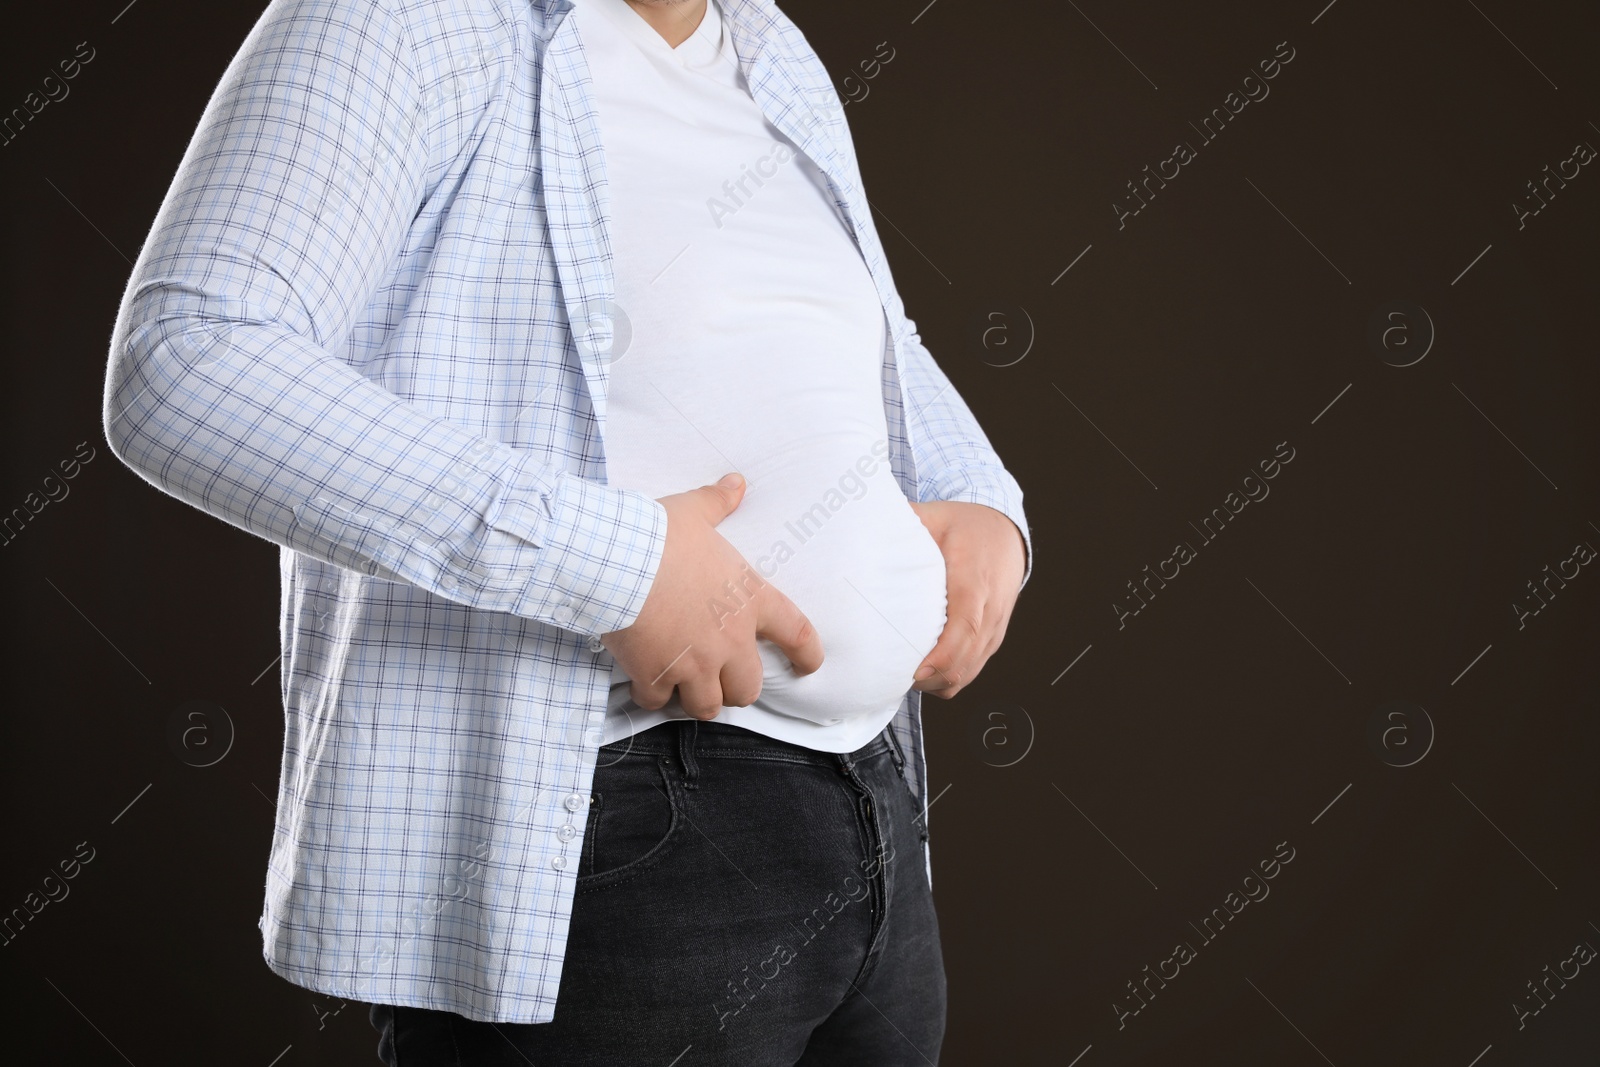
(653, 695)
(718, 500)
(992, 633)
(961, 650)
(737, 686)
(650, 697)
(940, 676)
(701, 697)
(741, 679)
(787, 627)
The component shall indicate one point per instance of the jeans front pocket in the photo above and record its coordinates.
(634, 821)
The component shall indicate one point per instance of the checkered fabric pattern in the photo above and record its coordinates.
(370, 324)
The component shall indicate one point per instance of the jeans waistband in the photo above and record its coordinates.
(714, 739)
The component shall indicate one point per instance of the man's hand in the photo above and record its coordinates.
(984, 560)
(687, 635)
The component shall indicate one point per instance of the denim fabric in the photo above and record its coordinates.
(740, 900)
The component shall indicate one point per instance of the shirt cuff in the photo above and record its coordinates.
(599, 549)
(991, 488)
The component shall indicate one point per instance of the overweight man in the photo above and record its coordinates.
(623, 522)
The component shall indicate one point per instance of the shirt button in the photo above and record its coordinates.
(567, 832)
(574, 802)
(559, 863)
(596, 645)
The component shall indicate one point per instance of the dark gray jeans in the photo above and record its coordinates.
(740, 901)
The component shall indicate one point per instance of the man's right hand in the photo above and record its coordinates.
(697, 630)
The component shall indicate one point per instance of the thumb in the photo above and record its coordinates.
(725, 496)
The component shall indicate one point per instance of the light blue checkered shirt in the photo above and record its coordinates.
(370, 324)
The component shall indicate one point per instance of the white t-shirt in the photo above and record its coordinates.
(750, 338)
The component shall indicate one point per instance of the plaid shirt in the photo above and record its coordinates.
(370, 324)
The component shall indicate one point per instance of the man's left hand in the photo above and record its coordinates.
(984, 560)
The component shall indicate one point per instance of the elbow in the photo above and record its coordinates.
(152, 351)
(172, 406)
(166, 329)
(118, 428)
(115, 408)
(165, 407)
(130, 376)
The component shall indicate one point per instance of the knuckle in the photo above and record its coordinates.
(702, 709)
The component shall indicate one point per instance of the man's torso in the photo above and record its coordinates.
(750, 337)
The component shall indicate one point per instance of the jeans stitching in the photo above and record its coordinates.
(899, 753)
(879, 882)
(656, 853)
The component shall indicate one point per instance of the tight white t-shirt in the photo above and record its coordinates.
(750, 338)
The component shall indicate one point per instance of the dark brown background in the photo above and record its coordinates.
(1176, 752)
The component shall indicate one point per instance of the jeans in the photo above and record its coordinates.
(740, 901)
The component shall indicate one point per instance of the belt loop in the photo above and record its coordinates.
(899, 753)
(686, 738)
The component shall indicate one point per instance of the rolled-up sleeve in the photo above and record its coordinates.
(280, 229)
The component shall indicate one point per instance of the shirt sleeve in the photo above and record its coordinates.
(286, 215)
(953, 456)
